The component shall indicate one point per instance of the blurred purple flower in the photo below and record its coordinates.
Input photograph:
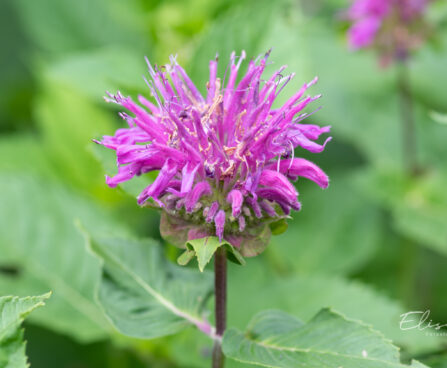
(393, 26)
(363, 32)
(224, 160)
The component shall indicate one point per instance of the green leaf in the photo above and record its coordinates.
(278, 227)
(418, 205)
(278, 340)
(95, 72)
(143, 294)
(204, 248)
(66, 143)
(255, 240)
(61, 26)
(428, 65)
(302, 295)
(439, 118)
(107, 158)
(328, 235)
(13, 311)
(416, 364)
(233, 31)
(40, 243)
(186, 257)
(313, 48)
(435, 361)
(233, 254)
(24, 153)
(176, 231)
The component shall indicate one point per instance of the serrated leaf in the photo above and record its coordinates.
(416, 364)
(278, 340)
(204, 249)
(38, 239)
(302, 295)
(13, 311)
(143, 294)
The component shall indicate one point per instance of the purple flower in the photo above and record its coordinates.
(225, 161)
(394, 27)
(370, 8)
(363, 32)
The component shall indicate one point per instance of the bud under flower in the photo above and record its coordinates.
(224, 160)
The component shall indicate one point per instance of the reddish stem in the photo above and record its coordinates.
(220, 291)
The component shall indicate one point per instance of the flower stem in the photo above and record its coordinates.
(220, 291)
(409, 151)
(407, 119)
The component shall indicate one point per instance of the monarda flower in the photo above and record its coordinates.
(226, 160)
(393, 27)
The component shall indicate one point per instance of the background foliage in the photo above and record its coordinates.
(372, 246)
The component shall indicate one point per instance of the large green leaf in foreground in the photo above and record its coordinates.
(303, 295)
(43, 250)
(278, 340)
(13, 310)
(143, 294)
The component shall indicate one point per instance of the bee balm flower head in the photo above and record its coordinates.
(225, 161)
(394, 27)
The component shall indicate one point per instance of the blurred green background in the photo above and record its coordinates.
(373, 245)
